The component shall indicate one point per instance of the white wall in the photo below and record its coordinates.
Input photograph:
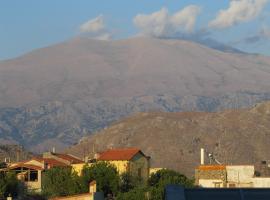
(261, 182)
(210, 183)
(240, 174)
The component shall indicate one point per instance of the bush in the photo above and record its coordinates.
(61, 181)
(138, 193)
(162, 178)
(9, 184)
(104, 174)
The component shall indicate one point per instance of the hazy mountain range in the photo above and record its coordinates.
(54, 96)
(173, 140)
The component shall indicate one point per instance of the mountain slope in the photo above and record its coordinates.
(173, 140)
(56, 95)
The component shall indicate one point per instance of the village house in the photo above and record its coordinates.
(30, 171)
(126, 160)
(232, 176)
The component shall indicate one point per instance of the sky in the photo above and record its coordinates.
(26, 25)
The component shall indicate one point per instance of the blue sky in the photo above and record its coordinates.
(30, 24)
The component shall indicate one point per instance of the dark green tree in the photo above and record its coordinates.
(140, 192)
(61, 181)
(159, 180)
(9, 184)
(104, 174)
(129, 182)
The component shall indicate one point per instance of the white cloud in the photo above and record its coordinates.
(239, 11)
(162, 24)
(96, 29)
(93, 25)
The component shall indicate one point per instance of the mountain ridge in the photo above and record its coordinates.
(56, 95)
(173, 140)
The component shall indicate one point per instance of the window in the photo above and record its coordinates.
(33, 176)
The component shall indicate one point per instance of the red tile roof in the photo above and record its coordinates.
(70, 158)
(119, 154)
(212, 167)
(51, 162)
(54, 163)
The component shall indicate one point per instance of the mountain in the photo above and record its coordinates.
(55, 95)
(173, 140)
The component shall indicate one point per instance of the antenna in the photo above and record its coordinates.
(213, 159)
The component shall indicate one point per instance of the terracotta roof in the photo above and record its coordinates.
(54, 163)
(50, 161)
(119, 154)
(212, 167)
(34, 167)
(70, 158)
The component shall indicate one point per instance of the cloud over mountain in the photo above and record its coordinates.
(95, 28)
(163, 24)
(239, 11)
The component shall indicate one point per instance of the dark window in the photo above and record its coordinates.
(33, 176)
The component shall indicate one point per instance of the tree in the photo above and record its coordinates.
(61, 181)
(9, 184)
(159, 180)
(104, 174)
(139, 192)
(129, 182)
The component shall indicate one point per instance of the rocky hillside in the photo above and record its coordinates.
(173, 140)
(56, 95)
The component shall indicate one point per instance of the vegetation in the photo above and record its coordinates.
(10, 185)
(157, 182)
(61, 181)
(104, 174)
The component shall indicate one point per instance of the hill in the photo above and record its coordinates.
(56, 95)
(173, 140)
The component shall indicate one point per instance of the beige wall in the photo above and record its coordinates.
(35, 185)
(240, 174)
(140, 162)
(261, 182)
(76, 197)
(210, 183)
(78, 168)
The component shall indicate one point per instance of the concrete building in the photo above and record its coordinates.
(232, 176)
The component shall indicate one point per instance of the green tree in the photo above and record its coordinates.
(104, 174)
(159, 180)
(9, 184)
(129, 182)
(139, 192)
(60, 181)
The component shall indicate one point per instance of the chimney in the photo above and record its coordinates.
(96, 156)
(86, 158)
(202, 156)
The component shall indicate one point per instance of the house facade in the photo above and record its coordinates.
(128, 160)
(30, 171)
(229, 176)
